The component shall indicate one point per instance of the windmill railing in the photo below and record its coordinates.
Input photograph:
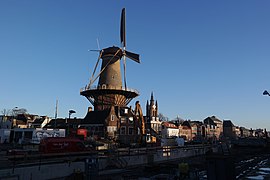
(108, 87)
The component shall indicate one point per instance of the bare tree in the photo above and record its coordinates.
(6, 112)
(179, 120)
(162, 117)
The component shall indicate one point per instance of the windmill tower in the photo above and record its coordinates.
(110, 90)
(110, 95)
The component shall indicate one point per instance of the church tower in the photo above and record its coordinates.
(152, 115)
(153, 107)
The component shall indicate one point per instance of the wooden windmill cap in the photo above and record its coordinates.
(112, 51)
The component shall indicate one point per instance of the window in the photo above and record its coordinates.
(123, 119)
(130, 131)
(112, 117)
(130, 120)
(111, 129)
(123, 130)
(126, 111)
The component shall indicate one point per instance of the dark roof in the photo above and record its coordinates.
(209, 121)
(186, 123)
(99, 117)
(227, 123)
(199, 123)
(214, 118)
(95, 117)
(61, 122)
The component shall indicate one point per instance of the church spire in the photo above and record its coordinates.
(152, 96)
(156, 108)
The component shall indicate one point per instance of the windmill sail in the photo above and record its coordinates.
(123, 28)
(133, 56)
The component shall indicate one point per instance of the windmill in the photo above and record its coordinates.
(110, 91)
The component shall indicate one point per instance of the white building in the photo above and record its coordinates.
(169, 130)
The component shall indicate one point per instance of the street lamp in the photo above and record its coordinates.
(68, 124)
(70, 112)
(266, 93)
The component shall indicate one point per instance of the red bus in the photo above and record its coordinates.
(61, 145)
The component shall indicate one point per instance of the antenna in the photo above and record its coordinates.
(56, 109)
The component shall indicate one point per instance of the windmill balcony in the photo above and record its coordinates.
(104, 86)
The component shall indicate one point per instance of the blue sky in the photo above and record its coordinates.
(200, 58)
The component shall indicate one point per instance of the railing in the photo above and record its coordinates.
(108, 87)
(149, 150)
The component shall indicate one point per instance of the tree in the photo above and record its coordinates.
(162, 117)
(179, 120)
(6, 112)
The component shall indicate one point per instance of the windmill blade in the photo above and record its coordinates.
(133, 56)
(123, 28)
(125, 76)
(94, 50)
(92, 77)
(98, 44)
(130, 55)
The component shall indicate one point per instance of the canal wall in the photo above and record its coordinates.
(120, 159)
(41, 172)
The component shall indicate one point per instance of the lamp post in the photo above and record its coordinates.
(70, 112)
(265, 93)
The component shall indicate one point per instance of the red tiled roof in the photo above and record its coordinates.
(169, 125)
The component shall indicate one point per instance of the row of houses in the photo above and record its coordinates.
(23, 121)
(210, 129)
